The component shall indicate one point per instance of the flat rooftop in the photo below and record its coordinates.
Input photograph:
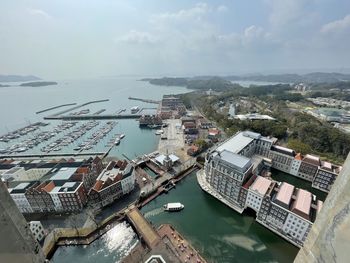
(261, 185)
(160, 158)
(13, 170)
(67, 187)
(63, 173)
(236, 143)
(242, 163)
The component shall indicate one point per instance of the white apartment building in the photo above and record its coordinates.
(18, 195)
(37, 229)
(256, 193)
(295, 165)
(128, 182)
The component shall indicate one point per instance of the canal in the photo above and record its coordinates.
(216, 231)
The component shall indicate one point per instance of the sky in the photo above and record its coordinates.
(98, 38)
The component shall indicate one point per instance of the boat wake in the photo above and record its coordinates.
(153, 212)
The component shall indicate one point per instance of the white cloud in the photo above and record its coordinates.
(222, 8)
(137, 37)
(197, 11)
(253, 32)
(337, 26)
(39, 12)
(286, 11)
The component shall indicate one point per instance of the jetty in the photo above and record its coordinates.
(93, 117)
(99, 111)
(145, 100)
(79, 106)
(55, 107)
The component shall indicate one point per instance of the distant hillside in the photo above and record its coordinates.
(217, 84)
(214, 83)
(17, 78)
(315, 77)
(38, 83)
(167, 81)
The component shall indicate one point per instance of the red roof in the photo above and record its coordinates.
(214, 131)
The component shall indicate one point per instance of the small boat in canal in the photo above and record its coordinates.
(172, 207)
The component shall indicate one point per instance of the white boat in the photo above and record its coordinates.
(159, 132)
(135, 109)
(117, 141)
(173, 207)
(122, 136)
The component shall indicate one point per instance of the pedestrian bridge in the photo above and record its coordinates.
(143, 227)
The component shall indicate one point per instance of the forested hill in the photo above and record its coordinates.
(316, 77)
(214, 83)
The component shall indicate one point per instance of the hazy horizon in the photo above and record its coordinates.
(92, 39)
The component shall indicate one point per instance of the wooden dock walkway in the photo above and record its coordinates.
(143, 227)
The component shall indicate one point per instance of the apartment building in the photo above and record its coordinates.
(325, 176)
(18, 195)
(308, 167)
(232, 176)
(257, 192)
(229, 167)
(116, 180)
(282, 158)
(62, 189)
(291, 213)
(37, 230)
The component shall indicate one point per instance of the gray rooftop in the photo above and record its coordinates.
(63, 173)
(236, 143)
(22, 186)
(242, 163)
(13, 170)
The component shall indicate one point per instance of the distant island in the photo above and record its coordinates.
(17, 78)
(214, 83)
(192, 83)
(167, 81)
(3, 86)
(38, 84)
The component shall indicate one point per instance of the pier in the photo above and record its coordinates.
(99, 112)
(77, 107)
(55, 107)
(44, 155)
(145, 100)
(93, 117)
(143, 227)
